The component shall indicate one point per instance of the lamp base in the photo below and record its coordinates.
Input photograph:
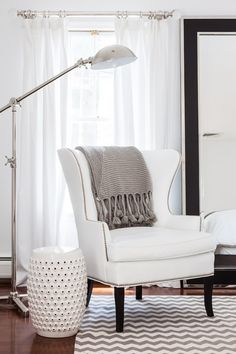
(14, 301)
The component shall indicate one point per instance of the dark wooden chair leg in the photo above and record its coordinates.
(119, 302)
(89, 291)
(181, 287)
(208, 289)
(139, 292)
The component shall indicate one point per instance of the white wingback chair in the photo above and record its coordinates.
(174, 248)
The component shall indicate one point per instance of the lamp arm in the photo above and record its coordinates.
(79, 63)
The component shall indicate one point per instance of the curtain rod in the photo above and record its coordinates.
(31, 14)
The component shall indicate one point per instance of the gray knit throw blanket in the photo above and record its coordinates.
(121, 185)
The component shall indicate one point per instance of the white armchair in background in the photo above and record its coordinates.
(174, 248)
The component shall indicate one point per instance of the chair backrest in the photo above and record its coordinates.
(162, 165)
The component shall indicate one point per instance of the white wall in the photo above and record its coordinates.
(10, 64)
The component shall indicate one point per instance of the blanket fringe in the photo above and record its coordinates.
(126, 210)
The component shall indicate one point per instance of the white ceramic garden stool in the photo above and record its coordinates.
(57, 289)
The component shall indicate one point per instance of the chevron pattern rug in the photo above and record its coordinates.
(159, 324)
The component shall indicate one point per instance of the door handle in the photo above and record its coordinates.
(211, 134)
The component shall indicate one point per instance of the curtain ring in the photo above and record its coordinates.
(29, 14)
(158, 16)
(62, 13)
(124, 14)
(150, 16)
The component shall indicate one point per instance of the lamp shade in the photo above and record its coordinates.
(112, 56)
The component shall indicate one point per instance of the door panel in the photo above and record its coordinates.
(209, 114)
(217, 121)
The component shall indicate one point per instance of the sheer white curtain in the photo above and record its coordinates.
(147, 92)
(42, 129)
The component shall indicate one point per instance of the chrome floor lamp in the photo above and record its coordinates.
(108, 57)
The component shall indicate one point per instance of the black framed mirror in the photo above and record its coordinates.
(203, 40)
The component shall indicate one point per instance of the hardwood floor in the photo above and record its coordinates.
(17, 335)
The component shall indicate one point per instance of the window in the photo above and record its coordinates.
(90, 91)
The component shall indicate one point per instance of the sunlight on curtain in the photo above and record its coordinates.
(147, 92)
(42, 129)
(91, 92)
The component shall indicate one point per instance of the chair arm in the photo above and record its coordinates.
(93, 237)
(182, 222)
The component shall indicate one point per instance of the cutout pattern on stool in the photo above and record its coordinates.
(57, 295)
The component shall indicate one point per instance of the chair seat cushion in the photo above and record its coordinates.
(153, 243)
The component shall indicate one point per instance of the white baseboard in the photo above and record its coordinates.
(5, 269)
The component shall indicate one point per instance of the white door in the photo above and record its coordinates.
(217, 121)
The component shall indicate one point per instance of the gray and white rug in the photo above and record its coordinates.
(159, 324)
